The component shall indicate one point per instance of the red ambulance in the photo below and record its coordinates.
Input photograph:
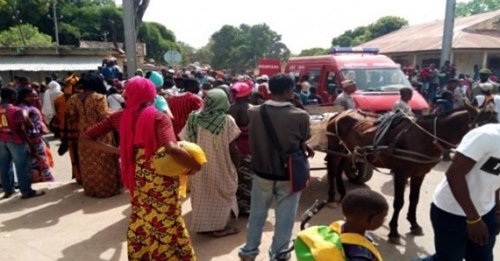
(377, 77)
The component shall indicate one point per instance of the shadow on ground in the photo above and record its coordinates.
(58, 202)
(106, 244)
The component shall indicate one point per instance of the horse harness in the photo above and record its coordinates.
(362, 152)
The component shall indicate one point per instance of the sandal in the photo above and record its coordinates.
(33, 194)
(225, 232)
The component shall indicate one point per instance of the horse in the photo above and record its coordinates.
(410, 148)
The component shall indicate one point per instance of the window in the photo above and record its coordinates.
(314, 77)
(377, 79)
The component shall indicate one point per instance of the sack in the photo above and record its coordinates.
(297, 167)
(165, 165)
(324, 243)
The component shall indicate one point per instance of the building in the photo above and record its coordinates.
(476, 41)
(38, 63)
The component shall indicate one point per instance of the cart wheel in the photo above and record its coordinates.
(358, 174)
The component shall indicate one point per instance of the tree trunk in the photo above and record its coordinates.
(140, 7)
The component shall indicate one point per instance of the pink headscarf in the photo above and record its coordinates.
(137, 126)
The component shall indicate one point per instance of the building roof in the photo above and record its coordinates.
(140, 47)
(480, 31)
(50, 63)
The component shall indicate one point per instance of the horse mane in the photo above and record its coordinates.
(442, 114)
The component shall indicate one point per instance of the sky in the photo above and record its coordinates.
(302, 24)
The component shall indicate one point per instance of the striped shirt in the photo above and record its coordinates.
(181, 106)
(163, 127)
(11, 117)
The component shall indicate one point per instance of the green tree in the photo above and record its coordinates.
(314, 51)
(240, 48)
(385, 25)
(476, 7)
(204, 55)
(158, 40)
(363, 34)
(25, 35)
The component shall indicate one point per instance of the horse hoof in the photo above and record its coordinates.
(395, 240)
(417, 231)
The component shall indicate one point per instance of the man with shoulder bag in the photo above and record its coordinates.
(277, 132)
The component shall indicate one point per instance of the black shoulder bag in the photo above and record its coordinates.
(295, 164)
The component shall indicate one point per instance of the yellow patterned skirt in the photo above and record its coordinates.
(156, 228)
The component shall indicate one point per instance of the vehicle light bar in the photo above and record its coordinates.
(336, 50)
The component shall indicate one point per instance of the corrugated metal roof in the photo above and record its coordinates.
(47, 63)
(480, 31)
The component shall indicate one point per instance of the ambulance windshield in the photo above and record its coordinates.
(377, 79)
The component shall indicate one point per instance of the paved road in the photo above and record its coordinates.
(66, 225)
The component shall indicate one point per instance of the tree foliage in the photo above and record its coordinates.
(158, 39)
(94, 20)
(476, 7)
(314, 51)
(364, 34)
(240, 48)
(25, 35)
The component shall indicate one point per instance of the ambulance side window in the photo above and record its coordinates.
(331, 84)
(314, 77)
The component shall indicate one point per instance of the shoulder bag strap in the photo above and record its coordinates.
(268, 125)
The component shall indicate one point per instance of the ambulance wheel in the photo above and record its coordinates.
(359, 173)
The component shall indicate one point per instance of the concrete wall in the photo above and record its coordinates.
(463, 60)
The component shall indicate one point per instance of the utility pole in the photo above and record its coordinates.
(129, 32)
(19, 21)
(54, 17)
(449, 20)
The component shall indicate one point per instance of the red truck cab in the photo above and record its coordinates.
(377, 77)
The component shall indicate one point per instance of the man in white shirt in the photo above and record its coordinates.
(465, 212)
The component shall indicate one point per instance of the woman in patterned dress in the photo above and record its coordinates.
(156, 228)
(40, 167)
(100, 171)
(68, 132)
(213, 191)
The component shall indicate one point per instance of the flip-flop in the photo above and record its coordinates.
(33, 194)
(225, 232)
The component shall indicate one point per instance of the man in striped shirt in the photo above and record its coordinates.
(184, 103)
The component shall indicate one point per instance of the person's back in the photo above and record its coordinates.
(292, 125)
(185, 103)
(271, 183)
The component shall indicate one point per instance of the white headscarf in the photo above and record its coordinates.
(48, 109)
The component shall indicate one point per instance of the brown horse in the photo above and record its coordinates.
(410, 149)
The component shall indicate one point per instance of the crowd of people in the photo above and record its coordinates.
(114, 128)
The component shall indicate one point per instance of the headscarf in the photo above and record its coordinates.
(50, 95)
(137, 126)
(213, 115)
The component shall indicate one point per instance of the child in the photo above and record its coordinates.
(402, 105)
(364, 209)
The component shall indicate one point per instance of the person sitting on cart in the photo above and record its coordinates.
(364, 210)
(345, 99)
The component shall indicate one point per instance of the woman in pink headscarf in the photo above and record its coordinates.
(156, 228)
